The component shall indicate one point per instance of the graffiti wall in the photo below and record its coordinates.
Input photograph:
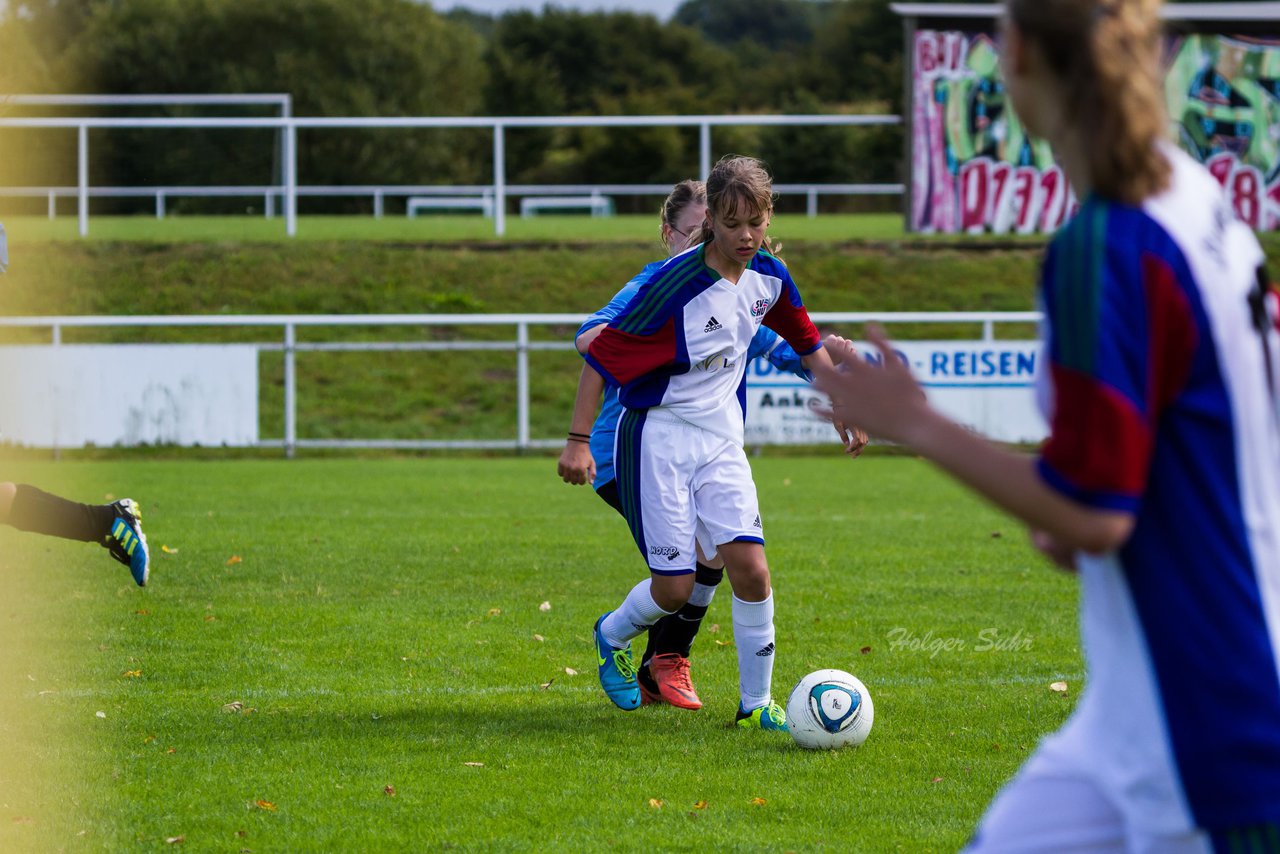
(974, 169)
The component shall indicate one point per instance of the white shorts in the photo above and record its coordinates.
(680, 485)
(1051, 807)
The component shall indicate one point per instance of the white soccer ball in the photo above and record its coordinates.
(829, 709)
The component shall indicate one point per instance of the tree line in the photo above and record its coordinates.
(402, 58)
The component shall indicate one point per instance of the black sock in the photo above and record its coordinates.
(675, 633)
(42, 513)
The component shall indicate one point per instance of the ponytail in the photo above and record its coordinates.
(1106, 56)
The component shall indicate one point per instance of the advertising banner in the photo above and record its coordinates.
(989, 386)
(974, 168)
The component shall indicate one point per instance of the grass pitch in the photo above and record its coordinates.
(402, 685)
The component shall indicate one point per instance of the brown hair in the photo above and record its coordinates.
(737, 181)
(687, 192)
(1106, 56)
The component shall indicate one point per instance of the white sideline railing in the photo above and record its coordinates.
(290, 125)
(522, 345)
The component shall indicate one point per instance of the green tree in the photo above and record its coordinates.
(374, 58)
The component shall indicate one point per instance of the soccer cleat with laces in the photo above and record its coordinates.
(126, 542)
(617, 671)
(671, 673)
(769, 716)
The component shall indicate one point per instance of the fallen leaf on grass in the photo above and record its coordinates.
(209, 618)
(724, 643)
(571, 671)
(474, 764)
(656, 803)
(265, 805)
(172, 750)
(389, 791)
(1060, 687)
(539, 638)
(168, 550)
(149, 739)
(102, 715)
(865, 650)
(23, 819)
(142, 612)
(700, 805)
(995, 535)
(495, 612)
(131, 674)
(936, 780)
(758, 802)
(234, 559)
(713, 628)
(174, 840)
(545, 685)
(233, 707)
(545, 606)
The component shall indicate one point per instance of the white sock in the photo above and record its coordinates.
(753, 635)
(633, 617)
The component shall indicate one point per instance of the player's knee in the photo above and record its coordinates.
(671, 592)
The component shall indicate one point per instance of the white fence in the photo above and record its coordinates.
(521, 346)
(289, 126)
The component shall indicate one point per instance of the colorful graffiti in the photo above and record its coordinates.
(975, 169)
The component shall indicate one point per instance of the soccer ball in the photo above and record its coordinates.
(829, 709)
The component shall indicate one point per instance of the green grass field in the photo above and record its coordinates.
(444, 228)
(403, 688)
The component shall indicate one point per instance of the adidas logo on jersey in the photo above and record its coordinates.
(756, 523)
(713, 325)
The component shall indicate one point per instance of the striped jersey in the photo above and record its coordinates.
(1161, 398)
(681, 343)
(766, 344)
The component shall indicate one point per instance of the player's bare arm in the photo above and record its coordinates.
(576, 465)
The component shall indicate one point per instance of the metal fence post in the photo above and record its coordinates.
(291, 179)
(290, 390)
(704, 150)
(522, 386)
(499, 180)
(82, 179)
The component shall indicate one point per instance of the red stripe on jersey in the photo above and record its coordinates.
(624, 356)
(793, 324)
(1172, 337)
(1099, 441)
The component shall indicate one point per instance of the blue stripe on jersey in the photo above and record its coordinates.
(650, 389)
(630, 435)
(1196, 589)
(649, 310)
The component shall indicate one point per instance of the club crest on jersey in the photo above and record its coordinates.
(761, 306)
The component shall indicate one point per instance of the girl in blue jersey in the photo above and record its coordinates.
(1160, 481)
(663, 674)
(678, 352)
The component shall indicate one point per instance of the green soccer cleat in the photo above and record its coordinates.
(770, 716)
(617, 671)
(126, 542)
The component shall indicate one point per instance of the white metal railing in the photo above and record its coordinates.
(290, 125)
(522, 345)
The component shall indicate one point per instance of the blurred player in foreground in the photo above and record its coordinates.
(1160, 481)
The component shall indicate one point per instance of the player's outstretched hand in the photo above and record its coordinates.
(576, 464)
(854, 439)
(1063, 556)
(883, 399)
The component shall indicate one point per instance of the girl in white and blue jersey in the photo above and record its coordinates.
(678, 353)
(1160, 481)
(664, 671)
